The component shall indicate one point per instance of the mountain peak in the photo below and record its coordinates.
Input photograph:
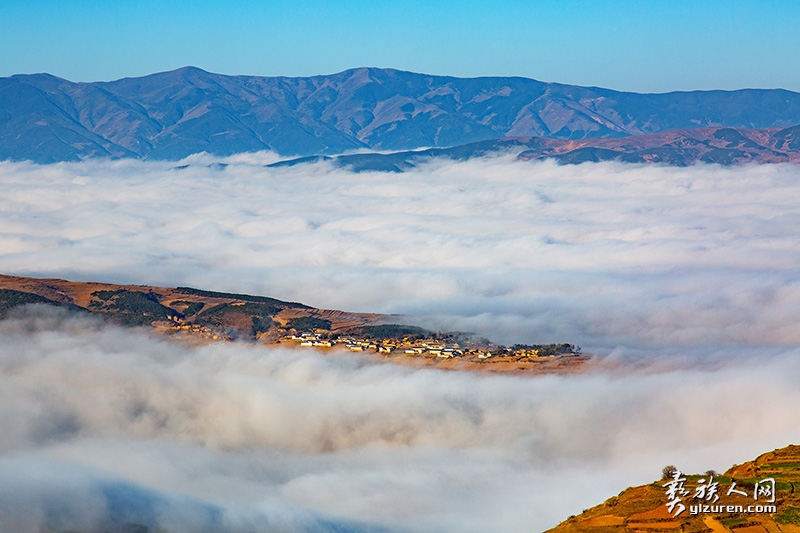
(170, 115)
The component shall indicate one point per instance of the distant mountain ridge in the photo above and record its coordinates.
(723, 146)
(173, 114)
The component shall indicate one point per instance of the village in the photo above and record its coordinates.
(448, 351)
(443, 348)
(196, 316)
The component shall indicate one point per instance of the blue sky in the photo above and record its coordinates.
(645, 46)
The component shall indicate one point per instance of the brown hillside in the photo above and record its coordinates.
(227, 314)
(644, 508)
(196, 315)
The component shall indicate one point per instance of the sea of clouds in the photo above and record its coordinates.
(682, 281)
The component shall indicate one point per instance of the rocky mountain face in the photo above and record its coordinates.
(173, 114)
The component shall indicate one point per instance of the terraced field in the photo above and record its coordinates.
(644, 508)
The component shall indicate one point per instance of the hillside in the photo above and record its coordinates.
(196, 315)
(644, 508)
(170, 115)
(221, 315)
(724, 146)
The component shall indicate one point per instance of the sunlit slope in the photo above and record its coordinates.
(644, 508)
(225, 315)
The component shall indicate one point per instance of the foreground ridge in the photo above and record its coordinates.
(196, 315)
(759, 496)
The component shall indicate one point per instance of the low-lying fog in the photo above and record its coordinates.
(684, 281)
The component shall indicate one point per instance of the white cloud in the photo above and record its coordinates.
(697, 266)
(601, 255)
(245, 433)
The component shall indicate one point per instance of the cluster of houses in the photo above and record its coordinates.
(202, 331)
(444, 346)
(418, 347)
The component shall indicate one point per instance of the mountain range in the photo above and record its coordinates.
(173, 114)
